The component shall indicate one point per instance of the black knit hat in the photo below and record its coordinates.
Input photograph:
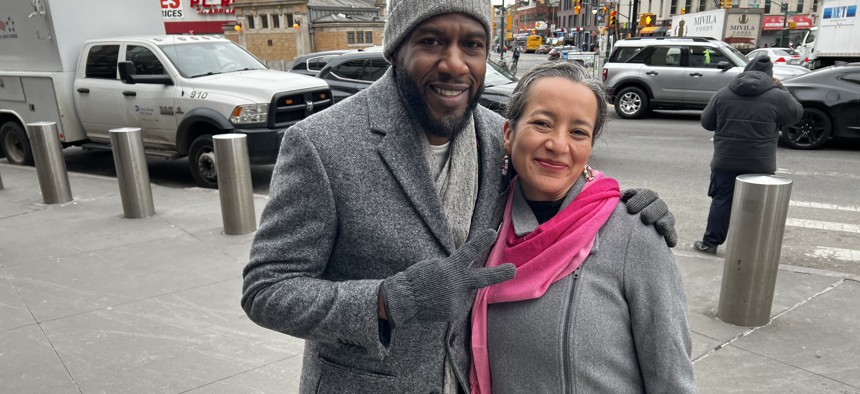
(761, 63)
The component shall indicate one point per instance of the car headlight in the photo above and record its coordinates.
(250, 113)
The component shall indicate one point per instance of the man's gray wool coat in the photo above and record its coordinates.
(352, 202)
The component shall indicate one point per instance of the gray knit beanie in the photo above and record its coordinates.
(761, 63)
(404, 15)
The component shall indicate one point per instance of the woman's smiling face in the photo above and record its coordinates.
(551, 142)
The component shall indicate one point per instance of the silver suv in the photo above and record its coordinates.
(672, 73)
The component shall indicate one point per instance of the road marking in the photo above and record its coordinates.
(835, 253)
(822, 225)
(819, 205)
(785, 171)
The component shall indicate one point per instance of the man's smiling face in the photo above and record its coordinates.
(440, 70)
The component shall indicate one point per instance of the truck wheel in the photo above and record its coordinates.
(15, 144)
(631, 103)
(201, 161)
(811, 132)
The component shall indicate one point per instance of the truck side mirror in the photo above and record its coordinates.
(127, 72)
(724, 65)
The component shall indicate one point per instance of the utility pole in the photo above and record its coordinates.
(634, 16)
(784, 39)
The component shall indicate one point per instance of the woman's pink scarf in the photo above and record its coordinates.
(552, 251)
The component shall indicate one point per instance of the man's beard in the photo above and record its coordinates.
(449, 125)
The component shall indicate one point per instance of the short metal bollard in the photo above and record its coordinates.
(50, 165)
(759, 211)
(1, 181)
(234, 184)
(132, 172)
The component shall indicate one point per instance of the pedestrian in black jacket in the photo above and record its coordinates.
(746, 118)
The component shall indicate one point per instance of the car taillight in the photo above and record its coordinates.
(780, 60)
(605, 74)
(806, 60)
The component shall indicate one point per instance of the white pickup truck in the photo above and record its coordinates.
(180, 90)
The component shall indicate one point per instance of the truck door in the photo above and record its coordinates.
(703, 76)
(664, 74)
(151, 106)
(97, 92)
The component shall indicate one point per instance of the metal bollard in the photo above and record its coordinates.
(759, 210)
(1, 181)
(234, 184)
(50, 165)
(131, 172)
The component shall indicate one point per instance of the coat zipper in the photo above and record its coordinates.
(566, 363)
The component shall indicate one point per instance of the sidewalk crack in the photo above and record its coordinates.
(772, 319)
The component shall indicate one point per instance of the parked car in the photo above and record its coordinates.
(643, 74)
(831, 106)
(350, 73)
(780, 56)
(544, 49)
(555, 52)
(312, 63)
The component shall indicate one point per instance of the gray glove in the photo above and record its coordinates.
(653, 212)
(443, 289)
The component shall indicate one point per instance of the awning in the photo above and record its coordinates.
(654, 30)
(774, 22)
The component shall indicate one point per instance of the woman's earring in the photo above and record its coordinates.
(588, 173)
(505, 165)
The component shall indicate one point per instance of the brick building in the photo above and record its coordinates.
(276, 31)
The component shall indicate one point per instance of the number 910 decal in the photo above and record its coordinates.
(199, 94)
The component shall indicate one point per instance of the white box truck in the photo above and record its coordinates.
(738, 27)
(94, 65)
(836, 36)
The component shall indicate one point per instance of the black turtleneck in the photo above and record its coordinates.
(545, 210)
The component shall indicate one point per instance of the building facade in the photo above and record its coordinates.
(276, 31)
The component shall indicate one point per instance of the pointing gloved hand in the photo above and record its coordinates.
(653, 212)
(443, 289)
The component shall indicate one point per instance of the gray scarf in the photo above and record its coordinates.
(457, 183)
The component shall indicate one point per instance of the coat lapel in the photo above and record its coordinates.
(488, 127)
(403, 153)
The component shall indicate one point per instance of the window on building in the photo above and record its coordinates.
(350, 37)
(673, 9)
(799, 6)
(289, 20)
(688, 6)
(264, 21)
(702, 4)
(250, 22)
(767, 5)
(101, 62)
(145, 62)
(368, 37)
(359, 37)
(276, 21)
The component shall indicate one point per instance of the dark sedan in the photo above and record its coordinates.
(831, 106)
(350, 73)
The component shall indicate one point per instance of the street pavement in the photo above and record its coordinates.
(92, 302)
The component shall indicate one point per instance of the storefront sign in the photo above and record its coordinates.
(775, 22)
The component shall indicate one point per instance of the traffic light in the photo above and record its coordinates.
(577, 9)
(612, 15)
(728, 3)
(683, 11)
(647, 19)
(722, 3)
(604, 10)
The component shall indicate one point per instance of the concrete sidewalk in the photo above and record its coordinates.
(92, 302)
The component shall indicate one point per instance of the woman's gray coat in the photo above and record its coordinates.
(618, 324)
(352, 202)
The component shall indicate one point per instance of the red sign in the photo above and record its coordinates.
(775, 22)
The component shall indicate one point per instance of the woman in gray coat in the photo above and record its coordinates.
(597, 304)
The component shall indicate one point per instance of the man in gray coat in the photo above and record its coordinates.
(746, 117)
(383, 209)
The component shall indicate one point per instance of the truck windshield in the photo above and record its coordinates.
(197, 59)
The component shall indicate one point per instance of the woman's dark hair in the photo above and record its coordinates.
(562, 69)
